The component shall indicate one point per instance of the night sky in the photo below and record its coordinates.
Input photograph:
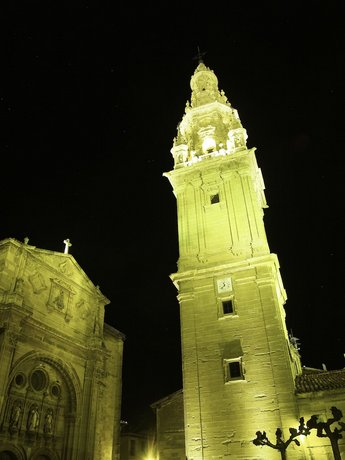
(92, 97)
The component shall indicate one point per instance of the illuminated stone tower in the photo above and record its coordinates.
(239, 366)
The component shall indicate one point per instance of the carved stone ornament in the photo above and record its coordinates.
(202, 258)
(258, 247)
(84, 309)
(65, 269)
(37, 282)
(59, 298)
(48, 423)
(80, 304)
(238, 250)
(15, 416)
(19, 286)
(33, 419)
(101, 373)
(12, 337)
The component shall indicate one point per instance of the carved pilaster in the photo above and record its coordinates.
(10, 336)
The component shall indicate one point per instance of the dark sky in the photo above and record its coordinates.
(92, 97)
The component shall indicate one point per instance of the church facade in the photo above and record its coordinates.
(61, 365)
(241, 371)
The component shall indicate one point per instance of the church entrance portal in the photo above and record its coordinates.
(7, 455)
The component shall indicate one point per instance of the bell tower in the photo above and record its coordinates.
(239, 365)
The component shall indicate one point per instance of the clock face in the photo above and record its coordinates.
(224, 285)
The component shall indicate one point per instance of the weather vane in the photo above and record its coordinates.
(199, 56)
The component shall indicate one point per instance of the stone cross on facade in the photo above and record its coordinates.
(68, 244)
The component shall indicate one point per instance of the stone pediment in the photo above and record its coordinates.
(61, 265)
(53, 284)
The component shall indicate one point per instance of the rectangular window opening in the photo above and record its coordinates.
(234, 370)
(228, 307)
(214, 198)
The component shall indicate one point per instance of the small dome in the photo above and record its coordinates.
(203, 79)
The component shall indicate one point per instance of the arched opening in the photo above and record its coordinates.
(7, 455)
(41, 397)
(44, 453)
(11, 452)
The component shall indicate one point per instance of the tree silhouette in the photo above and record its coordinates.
(262, 439)
(323, 429)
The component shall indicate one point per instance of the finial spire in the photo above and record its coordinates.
(68, 244)
(199, 56)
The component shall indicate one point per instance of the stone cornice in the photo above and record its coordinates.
(72, 343)
(232, 267)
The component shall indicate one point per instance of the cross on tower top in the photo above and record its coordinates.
(68, 244)
(199, 55)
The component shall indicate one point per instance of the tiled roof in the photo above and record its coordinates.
(320, 380)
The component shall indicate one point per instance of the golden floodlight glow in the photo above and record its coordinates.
(151, 455)
(151, 451)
